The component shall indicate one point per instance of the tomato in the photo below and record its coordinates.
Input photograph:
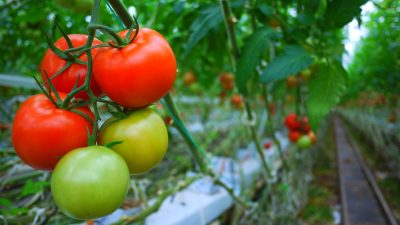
(291, 82)
(312, 137)
(196, 88)
(226, 77)
(90, 182)
(237, 101)
(43, 133)
(65, 81)
(189, 78)
(267, 145)
(304, 141)
(228, 86)
(292, 122)
(227, 81)
(138, 74)
(294, 135)
(144, 139)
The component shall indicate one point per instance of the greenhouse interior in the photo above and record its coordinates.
(242, 112)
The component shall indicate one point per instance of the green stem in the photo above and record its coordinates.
(122, 12)
(257, 140)
(270, 125)
(298, 99)
(230, 29)
(120, 42)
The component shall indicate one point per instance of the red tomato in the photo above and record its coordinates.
(138, 74)
(294, 135)
(267, 145)
(43, 133)
(292, 122)
(65, 81)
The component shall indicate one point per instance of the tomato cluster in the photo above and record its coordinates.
(52, 133)
(299, 130)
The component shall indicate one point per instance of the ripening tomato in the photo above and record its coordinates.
(144, 139)
(189, 78)
(304, 141)
(294, 135)
(43, 133)
(292, 122)
(312, 137)
(65, 81)
(237, 101)
(90, 182)
(226, 77)
(292, 82)
(138, 74)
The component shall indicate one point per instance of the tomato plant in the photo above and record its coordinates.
(43, 133)
(144, 139)
(75, 74)
(138, 74)
(90, 182)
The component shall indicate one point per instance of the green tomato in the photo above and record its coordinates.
(90, 182)
(304, 142)
(144, 139)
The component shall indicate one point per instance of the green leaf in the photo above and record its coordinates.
(294, 60)
(208, 19)
(33, 187)
(341, 12)
(325, 91)
(253, 49)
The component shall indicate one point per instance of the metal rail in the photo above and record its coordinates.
(362, 200)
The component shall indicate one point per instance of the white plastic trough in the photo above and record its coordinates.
(202, 202)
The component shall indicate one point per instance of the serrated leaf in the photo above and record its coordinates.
(341, 12)
(294, 60)
(207, 20)
(252, 51)
(325, 91)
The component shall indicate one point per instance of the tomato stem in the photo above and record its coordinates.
(230, 29)
(120, 42)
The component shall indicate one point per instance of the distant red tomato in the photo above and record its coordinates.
(291, 122)
(267, 145)
(294, 135)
